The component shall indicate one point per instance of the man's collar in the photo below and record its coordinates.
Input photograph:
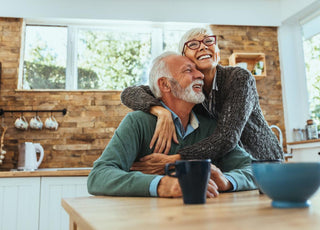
(193, 121)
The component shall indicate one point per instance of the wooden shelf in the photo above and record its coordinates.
(303, 142)
(251, 59)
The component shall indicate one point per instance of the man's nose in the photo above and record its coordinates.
(198, 75)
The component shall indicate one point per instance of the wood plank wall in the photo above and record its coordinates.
(93, 116)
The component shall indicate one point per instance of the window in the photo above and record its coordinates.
(311, 46)
(45, 57)
(102, 57)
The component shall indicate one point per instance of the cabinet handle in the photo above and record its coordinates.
(318, 153)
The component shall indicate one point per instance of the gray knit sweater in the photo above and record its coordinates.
(237, 109)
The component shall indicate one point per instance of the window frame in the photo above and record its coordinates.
(73, 26)
(309, 29)
(293, 72)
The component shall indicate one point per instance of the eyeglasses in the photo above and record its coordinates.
(195, 44)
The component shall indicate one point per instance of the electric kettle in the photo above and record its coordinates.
(28, 156)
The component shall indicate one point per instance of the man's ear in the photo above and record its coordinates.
(164, 84)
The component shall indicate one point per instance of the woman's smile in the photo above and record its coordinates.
(204, 56)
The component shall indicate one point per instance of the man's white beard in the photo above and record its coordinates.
(187, 94)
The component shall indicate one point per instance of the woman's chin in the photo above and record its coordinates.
(206, 65)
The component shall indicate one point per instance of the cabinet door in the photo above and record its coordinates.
(306, 155)
(305, 151)
(19, 203)
(53, 189)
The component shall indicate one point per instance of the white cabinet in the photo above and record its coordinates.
(32, 203)
(52, 215)
(304, 151)
(19, 203)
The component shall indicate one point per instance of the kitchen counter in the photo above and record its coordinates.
(48, 172)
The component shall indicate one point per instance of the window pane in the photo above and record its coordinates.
(45, 57)
(312, 60)
(171, 39)
(112, 59)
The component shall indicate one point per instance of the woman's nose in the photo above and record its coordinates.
(202, 46)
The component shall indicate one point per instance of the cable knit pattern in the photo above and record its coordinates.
(239, 116)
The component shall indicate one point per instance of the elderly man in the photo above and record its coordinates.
(178, 83)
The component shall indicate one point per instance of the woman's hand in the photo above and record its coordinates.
(164, 132)
(154, 163)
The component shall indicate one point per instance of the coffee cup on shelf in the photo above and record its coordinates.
(51, 123)
(36, 123)
(21, 123)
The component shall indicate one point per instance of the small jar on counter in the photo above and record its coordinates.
(311, 129)
(297, 135)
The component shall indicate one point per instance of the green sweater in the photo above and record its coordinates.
(111, 173)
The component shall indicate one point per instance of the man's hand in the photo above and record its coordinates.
(169, 187)
(165, 130)
(154, 163)
(219, 179)
(212, 190)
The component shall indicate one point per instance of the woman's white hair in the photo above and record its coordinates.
(191, 34)
(159, 69)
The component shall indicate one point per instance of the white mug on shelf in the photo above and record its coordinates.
(51, 123)
(21, 123)
(36, 123)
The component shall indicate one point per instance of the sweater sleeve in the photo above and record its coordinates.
(235, 112)
(111, 173)
(237, 165)
(139, 98)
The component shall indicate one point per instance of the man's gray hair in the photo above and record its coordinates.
(159, 69)
(191, 34)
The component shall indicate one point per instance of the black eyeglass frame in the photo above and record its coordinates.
(211, 36)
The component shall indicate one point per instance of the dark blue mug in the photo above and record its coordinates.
(193, 176)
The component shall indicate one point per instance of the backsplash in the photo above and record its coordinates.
(93, 116)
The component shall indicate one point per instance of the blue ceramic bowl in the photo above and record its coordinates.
(289, 185)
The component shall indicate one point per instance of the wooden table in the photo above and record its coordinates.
(234, 211)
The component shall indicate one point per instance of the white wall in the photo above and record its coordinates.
(292, 65)
(229, 12)
(290, 8)
(293, 78)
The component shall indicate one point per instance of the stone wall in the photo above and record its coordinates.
(93, 116)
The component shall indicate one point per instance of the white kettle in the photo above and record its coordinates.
(28, 156)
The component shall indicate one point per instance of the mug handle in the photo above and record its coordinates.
(169, 171)
(52, 118)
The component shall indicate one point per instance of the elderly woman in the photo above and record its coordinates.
(231, 97)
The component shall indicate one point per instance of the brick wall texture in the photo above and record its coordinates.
(93, 116)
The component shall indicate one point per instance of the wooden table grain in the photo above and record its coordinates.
(238, 210)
